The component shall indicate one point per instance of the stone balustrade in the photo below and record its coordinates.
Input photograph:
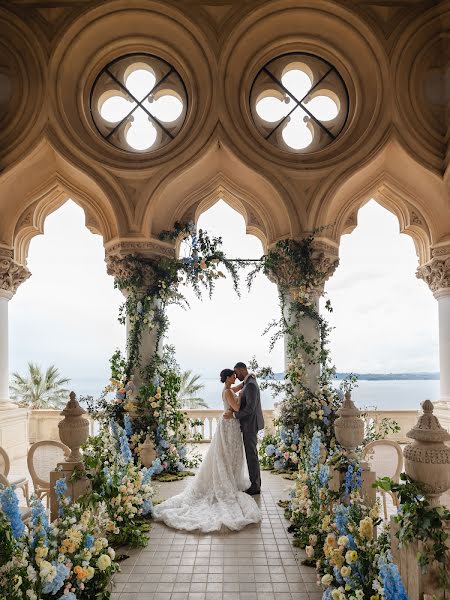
(43, 424)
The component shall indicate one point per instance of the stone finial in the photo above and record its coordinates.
(12, 274)
(73, 429)
(349, 426)
(427, 459)
(436, 272)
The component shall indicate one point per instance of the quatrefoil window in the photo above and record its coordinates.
(299, 102)
(138, 103)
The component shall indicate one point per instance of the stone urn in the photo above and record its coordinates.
(73, 429)
(349, 426)
(427, 459)
(148, 452)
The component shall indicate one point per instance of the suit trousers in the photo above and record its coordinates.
(251, 452)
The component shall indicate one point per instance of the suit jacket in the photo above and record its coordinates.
(250, 413)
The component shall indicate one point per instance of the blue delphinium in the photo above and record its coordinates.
(125, 448)
(61, 490)
(270, 450)
(182, 451)
(107, 474)
(391, 580)
(284, 436)
(52, 587)
(279, 464)
(147, 507)
(39, 522)
(114, 429)
(327, 595)
(296, 435)
(164, 444)
(314, 451)
(157, 466)
(324, 475)
(127, 425)
(353, 479)
(89, 541)
(341, 513)
(10, 506)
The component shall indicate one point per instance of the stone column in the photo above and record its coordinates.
(287, 277)
(436, 273)
(122, 269)
(13, 420)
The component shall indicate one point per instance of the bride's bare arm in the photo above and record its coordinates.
(234, 402)
(238, 387)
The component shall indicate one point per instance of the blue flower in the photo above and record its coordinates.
(326, 410)
(128, 425)
(182, 451)
(61, 490)
(164, 444)
(107, 474)
(353, 479)
(69, 596)
(314, 451)
(147, 507)
(39, 523)
(125, 448)
(157, 466)
(341, 513)
(10, 505)
(278, 464)
(89, 541)
(324, 475)
(114, 429)
(326, 421)
(180, 466)
(296, 436)
(52, 587)
(270, 450)
(391, 580)
(284, 436)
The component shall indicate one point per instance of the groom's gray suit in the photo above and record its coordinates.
(251, 420)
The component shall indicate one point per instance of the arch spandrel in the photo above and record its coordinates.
(220, 174)
(417, 197)
(38, 186)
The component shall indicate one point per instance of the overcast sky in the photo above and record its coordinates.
(385, 319)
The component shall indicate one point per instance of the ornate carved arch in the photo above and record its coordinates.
(416, 196)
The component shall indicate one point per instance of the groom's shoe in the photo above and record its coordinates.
(253, 491)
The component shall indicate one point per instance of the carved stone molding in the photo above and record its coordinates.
(126, 268)
(436, 272)
(152, 249)
(12, 274)
(325, 261)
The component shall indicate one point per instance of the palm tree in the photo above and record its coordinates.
(37, 389)
(189, 387)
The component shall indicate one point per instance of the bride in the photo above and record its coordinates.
(215, 498)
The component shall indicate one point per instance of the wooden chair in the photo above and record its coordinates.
(20, 483)
(25, 511)
(386, 460)
(43, 458)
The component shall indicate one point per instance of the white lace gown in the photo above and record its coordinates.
(214, 498)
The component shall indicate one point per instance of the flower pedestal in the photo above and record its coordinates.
(349, 432)
(73, 431)
(419, 585)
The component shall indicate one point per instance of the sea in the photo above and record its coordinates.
(380, 394)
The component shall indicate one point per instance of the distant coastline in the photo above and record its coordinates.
(382, 376)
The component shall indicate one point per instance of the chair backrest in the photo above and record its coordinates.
(4, 481)
(4, 462)
(385, 458)
(43, 458)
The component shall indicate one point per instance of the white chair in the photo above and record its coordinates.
(25, 512)
(385, 459)
(43, 458)
(20, 483)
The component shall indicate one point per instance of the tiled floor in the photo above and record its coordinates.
(258, 563)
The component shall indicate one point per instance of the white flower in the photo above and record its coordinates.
(309, 551)
(31, 595)
(103, 562)
(327, 579)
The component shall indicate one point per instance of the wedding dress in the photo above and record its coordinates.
(214, 498)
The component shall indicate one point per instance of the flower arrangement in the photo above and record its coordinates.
(124, 486)
(69, 559)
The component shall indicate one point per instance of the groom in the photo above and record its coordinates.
(251, 419)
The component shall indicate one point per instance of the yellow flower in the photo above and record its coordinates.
(337, 558)
(103, 562)
(366, 528)
(336, 595)
(351, 556)
(375, 597)
(327, 579)
(346, 571)
(90, 572)
(331, 540)
(154, 405)
(158, 390)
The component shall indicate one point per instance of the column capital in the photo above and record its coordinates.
(291, 275)
(436, 272)
(12, 274)
(134, 261)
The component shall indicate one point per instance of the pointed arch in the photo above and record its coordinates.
(38, 186)
(415, 195)
(219, 174)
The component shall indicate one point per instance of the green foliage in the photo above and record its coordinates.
(420, 522)
(38, 389)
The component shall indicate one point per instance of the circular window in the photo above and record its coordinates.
(299, 102)
(138, 103)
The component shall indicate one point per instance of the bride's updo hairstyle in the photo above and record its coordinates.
(225, 374)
